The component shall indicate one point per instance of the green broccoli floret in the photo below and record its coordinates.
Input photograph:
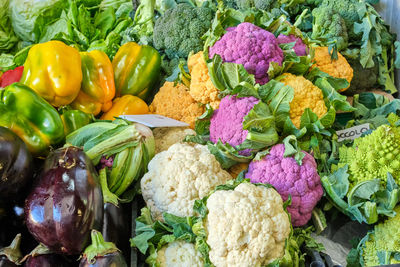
(373, 156)
(179, 30)
(271, 6)
(384, 239)
(329, 26)
(348, 10)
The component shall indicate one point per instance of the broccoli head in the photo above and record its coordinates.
(179, 30)
(347, 9)
(271, 6)
(329, 26)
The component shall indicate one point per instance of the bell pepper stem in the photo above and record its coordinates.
(99, 247)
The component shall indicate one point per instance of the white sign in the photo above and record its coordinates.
(154, 120)
(353, 132)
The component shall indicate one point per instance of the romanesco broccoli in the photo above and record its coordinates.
(373, 156)
(385, 238)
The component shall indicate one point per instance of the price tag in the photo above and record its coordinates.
(353, 132)
(154, 120)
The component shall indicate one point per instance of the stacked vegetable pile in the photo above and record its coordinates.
(265, 88)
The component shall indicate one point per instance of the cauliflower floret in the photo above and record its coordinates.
(201, 87)
(306, 95)
(179, 254)
(166, 137)
(301, 182)
(226, 124)
(176, 102)
(178, 176)
(246, 226)
(251, 46)
(339, 68)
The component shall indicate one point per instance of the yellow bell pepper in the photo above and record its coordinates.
(98, 88)
(53, 70)
(126, 105)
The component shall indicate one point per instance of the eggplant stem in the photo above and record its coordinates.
(12, 252)
(99, 247)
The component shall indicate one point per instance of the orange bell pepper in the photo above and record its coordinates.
(126, 105)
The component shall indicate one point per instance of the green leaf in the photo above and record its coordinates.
(231, 78)
(339, 181)
(105, 21)
(226, 154)
(397, 51)
(278, 97)
(291, 149)
(363, 191)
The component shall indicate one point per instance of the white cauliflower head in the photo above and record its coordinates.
(246, 226)
(179, 254)
(166, 137)
(178, 176)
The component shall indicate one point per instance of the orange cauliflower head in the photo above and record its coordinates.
(174, 101)
(306, 95)
(339, 68)
(201, 87)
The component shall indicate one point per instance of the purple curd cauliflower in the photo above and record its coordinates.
(251, 46)
(299, 48)
(227, 122)
(301, 182)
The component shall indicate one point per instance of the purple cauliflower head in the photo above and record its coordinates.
(299, 48)
(226, 124)
(301, 182)
(251, 46)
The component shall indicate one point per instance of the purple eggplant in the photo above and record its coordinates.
(102, 254)
(16, 167)
(41, 256)
(11, 256)
(67, 202)
(116, 225)
(46, 260)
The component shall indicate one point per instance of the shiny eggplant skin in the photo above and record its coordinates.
(46, 260)
(67, 202)
(4, 262)
(116, 226)
(114, 259)
(16, 167)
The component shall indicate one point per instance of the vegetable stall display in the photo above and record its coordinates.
(259, 168)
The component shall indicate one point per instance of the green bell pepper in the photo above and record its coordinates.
(34, 120)
(75, 119)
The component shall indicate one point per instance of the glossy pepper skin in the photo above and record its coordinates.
(75, 119)
(126, 105)
(53, 70)
(136, 69)
(28, 115)
(98, 88)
